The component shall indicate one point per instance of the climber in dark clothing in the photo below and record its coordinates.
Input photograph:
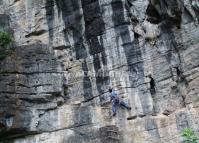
(116, 101)
(152, 84)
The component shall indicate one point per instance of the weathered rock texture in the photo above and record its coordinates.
(53, 88)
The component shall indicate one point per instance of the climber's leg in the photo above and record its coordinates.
(122, 103)
(114, 108)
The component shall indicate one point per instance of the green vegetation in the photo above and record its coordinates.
(5, 41)
(189, 136)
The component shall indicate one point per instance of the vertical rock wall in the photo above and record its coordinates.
(68, 53)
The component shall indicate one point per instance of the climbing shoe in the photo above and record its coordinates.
(129, 108)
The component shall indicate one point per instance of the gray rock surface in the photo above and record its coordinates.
(68, 53)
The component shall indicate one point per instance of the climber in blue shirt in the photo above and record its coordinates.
(116, 101)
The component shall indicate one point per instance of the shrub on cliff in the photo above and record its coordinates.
(189, 136)
(5, 41)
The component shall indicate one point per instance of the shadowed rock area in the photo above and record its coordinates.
(68, 53)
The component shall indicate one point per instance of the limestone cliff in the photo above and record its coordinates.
(53, 88)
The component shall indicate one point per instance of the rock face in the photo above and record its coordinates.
(68, 53)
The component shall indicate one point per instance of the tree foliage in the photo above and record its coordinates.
(189, 136)
(5, 41)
